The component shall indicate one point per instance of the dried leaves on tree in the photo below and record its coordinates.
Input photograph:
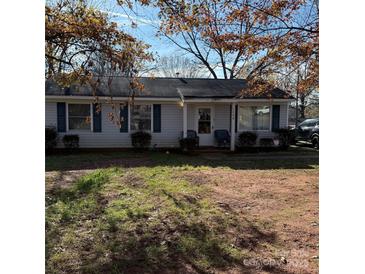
(80, 39)
(245, 38)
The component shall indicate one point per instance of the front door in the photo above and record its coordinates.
(204, 126)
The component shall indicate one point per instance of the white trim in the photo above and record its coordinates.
(197, 118)
(210, 100)
(115, 99)
(185, 120)
(125, 104)
(233, 128)
(129, 117)
(162, 99)
(79, 130)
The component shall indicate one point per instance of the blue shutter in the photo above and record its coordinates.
(236, 117)
(97, 117)
(124, 118)
(230, 117)
(275, 117)
(156, 118)
(61, 117)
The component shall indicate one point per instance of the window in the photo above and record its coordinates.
(141, 117)
(79, 116)
(254, 118)
(309, 123)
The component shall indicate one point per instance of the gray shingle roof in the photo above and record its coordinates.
(165, 88)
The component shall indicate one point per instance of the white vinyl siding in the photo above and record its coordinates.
(51, 115)
(284, 115)
(222, 116)
(191, 117)
(171, 125)
(171, 128)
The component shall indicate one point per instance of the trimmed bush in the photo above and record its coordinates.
(51, 138)
(141, 139)
(286, 137)
(247, 139)
(188, 144)
(266, 142)
(71, 141)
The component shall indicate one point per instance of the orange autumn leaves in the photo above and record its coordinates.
(78, 36)
(252, 39)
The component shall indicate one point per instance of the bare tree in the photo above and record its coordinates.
(179, 66)
(304, 88)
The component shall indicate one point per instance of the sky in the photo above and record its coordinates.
(147, 25)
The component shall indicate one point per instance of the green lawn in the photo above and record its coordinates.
(144, 214)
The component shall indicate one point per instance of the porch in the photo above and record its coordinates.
(206, 118)
(259, 116)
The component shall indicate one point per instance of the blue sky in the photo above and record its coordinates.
(147, 26)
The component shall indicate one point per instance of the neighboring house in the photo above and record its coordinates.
(167, 108)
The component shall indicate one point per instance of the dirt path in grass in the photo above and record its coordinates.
(283, 202)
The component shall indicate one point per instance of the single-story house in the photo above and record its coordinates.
(167, 108)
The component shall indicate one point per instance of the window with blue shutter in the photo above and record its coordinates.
(275, 117)
(124, 118)
(97, 117)
(156, 118)
(61, 117)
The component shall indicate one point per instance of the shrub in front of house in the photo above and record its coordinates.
(141, 139)
(286, 137)
(51, 138)
(71, 141)
(247, 139)
(188, 144)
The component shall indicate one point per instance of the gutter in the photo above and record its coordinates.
(164, 99)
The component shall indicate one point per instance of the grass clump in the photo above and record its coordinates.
(92, 181)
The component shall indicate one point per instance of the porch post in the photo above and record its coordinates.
(185, 120)
(233, 126)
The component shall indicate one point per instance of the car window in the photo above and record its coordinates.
(309, 123)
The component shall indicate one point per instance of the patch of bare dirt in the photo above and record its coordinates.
(63, 179)
(282, 203)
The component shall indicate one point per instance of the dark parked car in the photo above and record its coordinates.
(308, 130)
